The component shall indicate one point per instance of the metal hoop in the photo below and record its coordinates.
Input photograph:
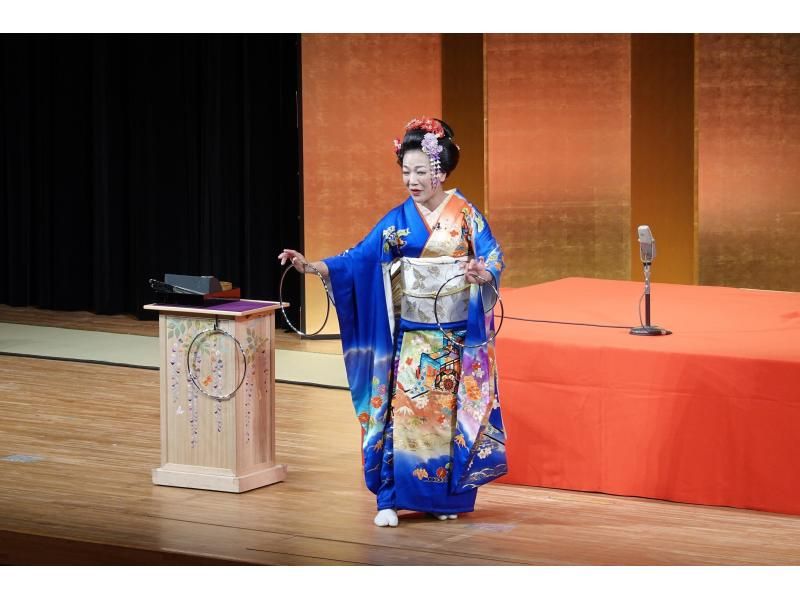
(193, 378)
(327, 294)
(451, 337)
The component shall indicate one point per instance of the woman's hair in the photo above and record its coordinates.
(448, 158)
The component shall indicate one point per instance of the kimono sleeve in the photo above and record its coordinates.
(485, 245)
(358, 290)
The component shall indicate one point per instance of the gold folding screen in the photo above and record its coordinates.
(712, 159)
(358, 92)
(558, 110)
(748, 105)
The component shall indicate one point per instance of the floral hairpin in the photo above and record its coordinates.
(431, 147)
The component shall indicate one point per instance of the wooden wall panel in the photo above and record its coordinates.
(358, 92)
(748, 105)
(558, 110)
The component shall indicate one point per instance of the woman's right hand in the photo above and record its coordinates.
(295, 257)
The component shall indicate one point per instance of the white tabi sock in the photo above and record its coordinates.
(386, 517)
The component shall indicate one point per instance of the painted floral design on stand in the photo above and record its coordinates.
(176, 334)
(174, 374)
(254, 346)
(193, 414)
(208, 365)
(248, 405)
(180, 333)
(217, 370)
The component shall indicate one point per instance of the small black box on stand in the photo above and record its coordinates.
(181, 289)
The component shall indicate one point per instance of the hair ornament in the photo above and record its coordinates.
(431, 147)
(431, 125)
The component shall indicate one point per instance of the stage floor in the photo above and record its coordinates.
(90, 498)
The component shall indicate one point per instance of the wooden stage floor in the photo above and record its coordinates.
(90, 499)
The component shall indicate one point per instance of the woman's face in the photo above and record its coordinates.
(417, 176)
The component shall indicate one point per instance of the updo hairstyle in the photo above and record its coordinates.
(413, 141)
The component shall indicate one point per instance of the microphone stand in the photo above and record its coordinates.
(647, 329)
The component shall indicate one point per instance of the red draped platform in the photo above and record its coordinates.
(709, 415)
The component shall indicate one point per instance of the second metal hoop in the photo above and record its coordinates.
(450, 337)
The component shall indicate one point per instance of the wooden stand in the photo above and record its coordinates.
(218, 444)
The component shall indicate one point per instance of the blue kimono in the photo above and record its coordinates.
(432, 430)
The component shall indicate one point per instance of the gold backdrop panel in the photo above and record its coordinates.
(558, 111)
(748, 113)
(358, 92)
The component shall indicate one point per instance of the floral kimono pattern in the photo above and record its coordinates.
(432, 430)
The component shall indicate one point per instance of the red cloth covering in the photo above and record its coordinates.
(709, 415)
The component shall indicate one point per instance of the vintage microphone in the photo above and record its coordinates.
(647, 253)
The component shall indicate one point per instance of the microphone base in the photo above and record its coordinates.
(649, 331)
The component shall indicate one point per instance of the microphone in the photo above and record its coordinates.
(647, 253)
(647, 245)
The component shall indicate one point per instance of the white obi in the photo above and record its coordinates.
(420, 279)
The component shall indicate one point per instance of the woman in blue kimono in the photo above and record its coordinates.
(424, 385)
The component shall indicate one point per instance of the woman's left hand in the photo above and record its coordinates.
(476, 272)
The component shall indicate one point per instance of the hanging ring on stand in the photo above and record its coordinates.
(192, 377)
(451, 337)
(327, 294)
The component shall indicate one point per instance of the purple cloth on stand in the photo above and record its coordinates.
(232, 306)
(239, 306)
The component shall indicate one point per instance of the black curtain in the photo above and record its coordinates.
(124, 157)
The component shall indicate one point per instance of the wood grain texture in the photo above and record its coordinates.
(78, 320)
(97, 429)
(128, 324)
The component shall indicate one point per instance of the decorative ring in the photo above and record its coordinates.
(193, 378)
(450, 337)
(327, 294)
